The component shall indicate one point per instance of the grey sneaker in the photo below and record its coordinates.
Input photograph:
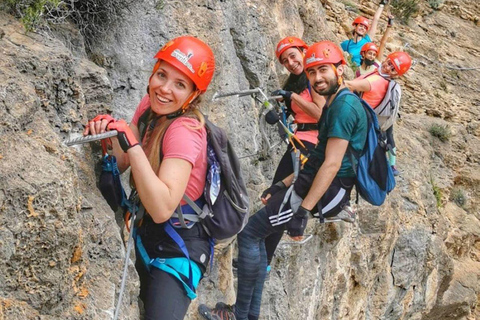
(347, 214)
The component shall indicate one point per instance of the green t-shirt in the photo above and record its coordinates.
(346, 119)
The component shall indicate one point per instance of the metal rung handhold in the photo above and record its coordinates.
(90, 138)
(236, 93)
(305, 239)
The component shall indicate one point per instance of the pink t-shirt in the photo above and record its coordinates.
(302, 117)
(378, 88)
(182, 142)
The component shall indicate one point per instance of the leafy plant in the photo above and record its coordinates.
(404, 9)
(458, 196)
(93, 17)
(441, 132)
(437, 192)
(32, 13)
(352, 64)
(435, 4)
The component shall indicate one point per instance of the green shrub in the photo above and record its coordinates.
(458, 196)
(92, 17)
(435, 4)
(32, 13)
(441, 132)
(404, 9)
(437, 192)
(352, 64)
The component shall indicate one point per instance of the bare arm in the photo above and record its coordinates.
(359, 85)
(334, 153)
(313, 109)
(373, 29)
(384, 39)
(160, 194)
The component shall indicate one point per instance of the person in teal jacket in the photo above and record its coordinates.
(362, 33)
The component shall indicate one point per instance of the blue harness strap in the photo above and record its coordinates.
(175, 266)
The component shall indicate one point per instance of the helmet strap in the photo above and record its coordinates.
(185, 105)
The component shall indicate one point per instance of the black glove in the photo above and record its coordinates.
(125, 136)
(274, 189)
(296, 226)
(272, 117)
(390, 21)
(283, 93)
(384, 2)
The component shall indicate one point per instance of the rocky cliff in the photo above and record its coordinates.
(416, 257)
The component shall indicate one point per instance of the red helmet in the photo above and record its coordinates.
(361, 20)
(289, 42)
(369, 46)
(323, 52)
(191, 56)
(401, 61)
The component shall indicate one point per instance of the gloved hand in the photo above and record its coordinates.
(98, 124)
(125, 136)
(390, 21)
(273, 189)
(296, 226)
(384, 2)
(106, 117)
(272, 117)
(283, 93)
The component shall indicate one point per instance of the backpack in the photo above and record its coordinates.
(374, 175)
(387, 110)
(226, 204)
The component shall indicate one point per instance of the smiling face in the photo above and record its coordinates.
(292, 60)
(387, 68)
(360, 29)
(169, 89)
(324, 79)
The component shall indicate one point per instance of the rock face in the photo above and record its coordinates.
(416, 257)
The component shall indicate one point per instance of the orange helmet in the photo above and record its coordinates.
(191, 56)
(361, 20)
(323, 52)
(289, 42)
(401, 61)
(369, 46)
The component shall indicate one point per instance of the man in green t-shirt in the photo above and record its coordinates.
(322, 189)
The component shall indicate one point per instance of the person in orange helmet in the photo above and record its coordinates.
(321, 190)
(373, 87)
(372, 54)
(305, 105)
(170, 161)
(362, 33)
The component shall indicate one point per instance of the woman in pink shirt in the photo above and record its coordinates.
(373, 86)
(170, 161)
(306, 107)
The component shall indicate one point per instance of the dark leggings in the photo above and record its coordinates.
(252, 264)
(390, 139)
(284, 169)
(252, 255)
(162, 294)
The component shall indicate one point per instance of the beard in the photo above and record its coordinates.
(332, 87)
